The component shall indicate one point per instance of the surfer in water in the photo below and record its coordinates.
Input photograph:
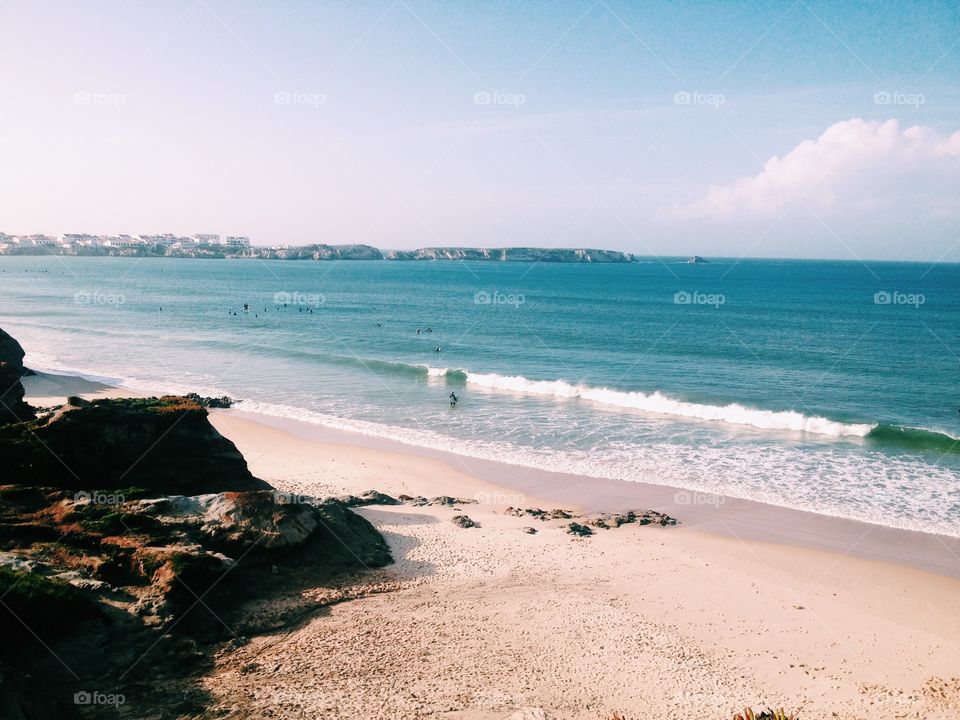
(453, 399)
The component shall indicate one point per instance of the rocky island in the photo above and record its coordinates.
(171, 246)
(513, 254)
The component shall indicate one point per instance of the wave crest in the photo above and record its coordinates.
(656, 402)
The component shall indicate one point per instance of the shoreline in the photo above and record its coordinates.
(724, 516)
(683, 621)
(728, 517)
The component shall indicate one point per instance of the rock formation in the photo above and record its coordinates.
(130, 528)
(515, 254)
(339, 252)
(601, 520)
(464, 521)
(12, 406)
(163, 444)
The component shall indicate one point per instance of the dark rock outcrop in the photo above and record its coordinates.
(165, 444)
(444, 500)
(12, 406)
(645, 517)
(222, 402)
(370, 497)
(464, 521)
(20, 699)
(130, 528)
(350, 537)
(539, 514)
(603, 520)
(164, 552)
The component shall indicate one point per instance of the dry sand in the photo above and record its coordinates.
(491, 622)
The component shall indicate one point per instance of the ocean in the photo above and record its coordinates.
(817, 385)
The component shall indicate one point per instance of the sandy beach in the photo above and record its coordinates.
(425, 360)
(493, 622)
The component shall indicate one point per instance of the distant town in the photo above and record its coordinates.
(201, 245)
(208, 245)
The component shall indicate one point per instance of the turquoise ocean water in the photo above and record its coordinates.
(824, 386)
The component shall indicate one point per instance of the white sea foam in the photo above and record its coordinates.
(830, 481)
(657, 402)
(834, 483)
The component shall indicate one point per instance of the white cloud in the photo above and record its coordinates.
(855, 167)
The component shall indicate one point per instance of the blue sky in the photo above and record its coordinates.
(647, 126)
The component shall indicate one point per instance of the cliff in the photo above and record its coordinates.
(516, 254)
(319, 252)
(339, 252)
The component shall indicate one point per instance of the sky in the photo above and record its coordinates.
(794, 128)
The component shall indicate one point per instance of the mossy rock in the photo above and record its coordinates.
(35, 606)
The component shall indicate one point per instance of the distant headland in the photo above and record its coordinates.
(208, 246)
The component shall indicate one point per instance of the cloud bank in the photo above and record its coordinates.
(855, 167)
